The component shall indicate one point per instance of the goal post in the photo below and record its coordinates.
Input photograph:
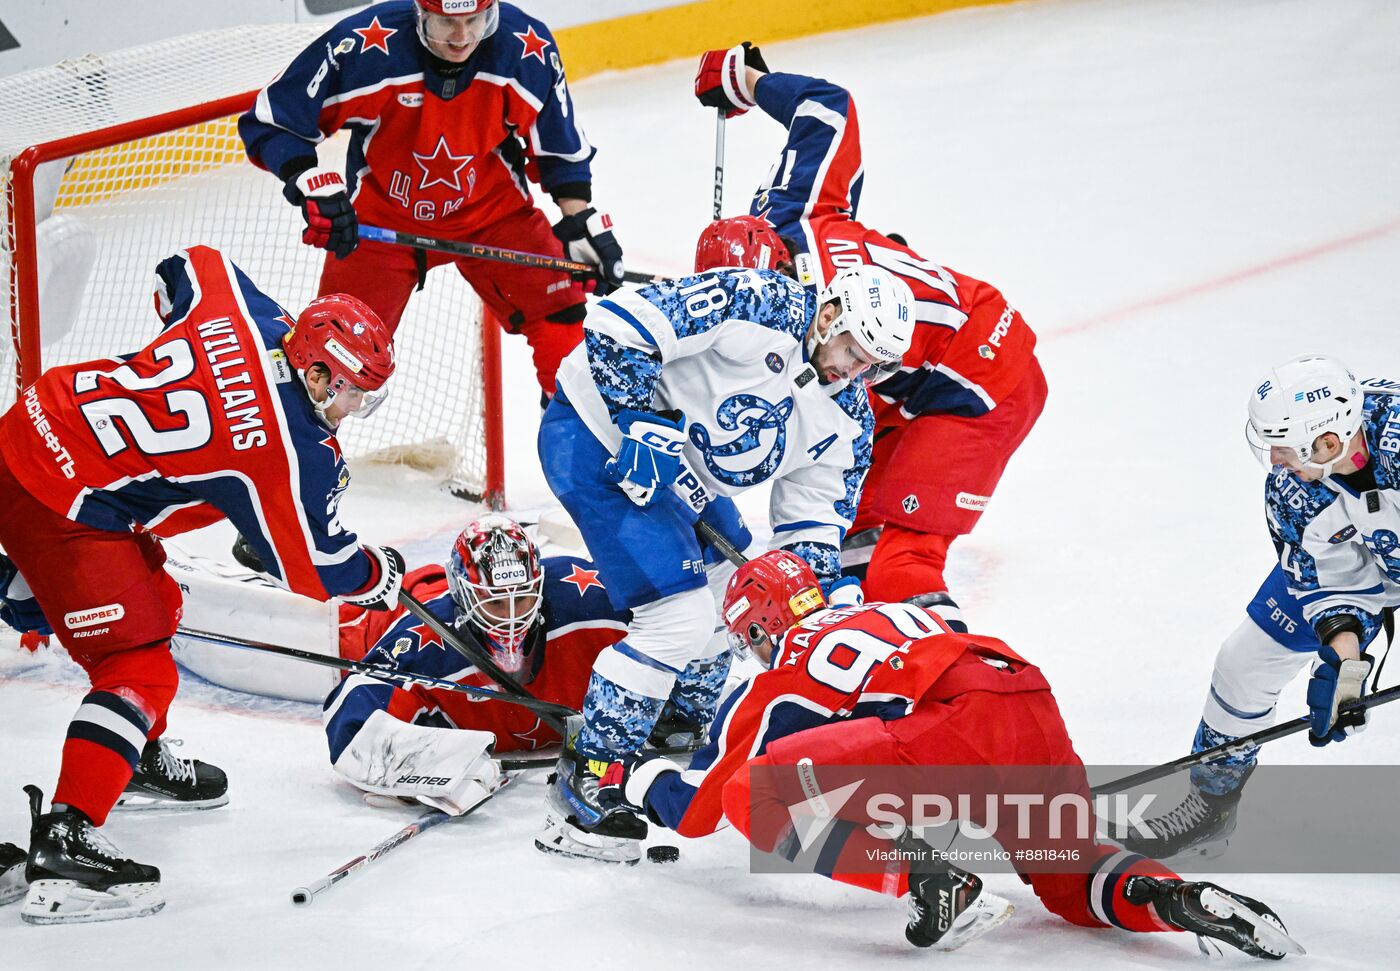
(109, 163)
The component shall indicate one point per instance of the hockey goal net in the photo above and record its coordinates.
(109, 163)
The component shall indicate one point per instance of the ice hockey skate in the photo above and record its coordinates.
(12, 882)
(1215, 914)
(76, 876)
(163, 780)
(575, 825)
(1200, 826)
(948, 907)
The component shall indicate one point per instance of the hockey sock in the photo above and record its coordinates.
(103, 746)
(1107, 903)
(698, 688)
(616, 720)
(906, 563)
(1225, 774)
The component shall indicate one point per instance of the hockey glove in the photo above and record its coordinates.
(845, 592)
(330, 218)
(626, 782)
(650, 456)
(18, 608)
(588, 237)
(382, 590)
(722, 81)
(1335, 683)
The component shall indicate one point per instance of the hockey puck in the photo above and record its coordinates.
(663, 854)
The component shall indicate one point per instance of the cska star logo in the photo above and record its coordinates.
(583, 579)
(330, 442)
(442, 167)
(375, 37)
(533, 44)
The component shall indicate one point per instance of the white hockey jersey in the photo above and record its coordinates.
(727, 349)
(1338, 544)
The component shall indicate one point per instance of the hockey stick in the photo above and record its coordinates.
(552, 715)
(542, 708)
(304, 896)
(1239, 745)
(377, 234)
(719, 161)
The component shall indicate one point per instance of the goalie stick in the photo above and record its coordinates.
(1299, 724)
(545, 709)
(496, 254)
(304, 896)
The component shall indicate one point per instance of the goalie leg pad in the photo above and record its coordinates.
(447, 768)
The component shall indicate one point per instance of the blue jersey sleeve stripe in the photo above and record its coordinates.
(617, 311)
(806, 524)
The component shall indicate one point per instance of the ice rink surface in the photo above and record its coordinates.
(1176, 195)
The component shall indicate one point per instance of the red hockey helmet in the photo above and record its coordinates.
(349, 340)
(740, 241)
(766, 596)
(446, 23)
(497, 583)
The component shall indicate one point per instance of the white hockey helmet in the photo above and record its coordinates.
(877, 309)
(1296, 403)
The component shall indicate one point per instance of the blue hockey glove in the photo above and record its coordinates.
(1335, 683)
(625, 783)
(845, 592)
(650, 457)
(588, 237)
(18, 608)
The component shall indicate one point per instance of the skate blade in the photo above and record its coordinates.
(67, 902)
(987, 913)
(12, 884)
(132, 801)
(564, 839)
(1268, 934)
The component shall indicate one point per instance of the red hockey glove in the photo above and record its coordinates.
(721, 81)
(330, 218)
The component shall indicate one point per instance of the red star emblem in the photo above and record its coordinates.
(426, 636)
(534, 44)
(583, 579)
(442, 167)
(330, 442)
(286, 320)
(375, 37)
(529, 737)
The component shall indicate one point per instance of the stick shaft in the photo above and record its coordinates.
(496, 254)
(719, 162)
(1299, 724)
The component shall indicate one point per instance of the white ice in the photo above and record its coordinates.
(1176, 195)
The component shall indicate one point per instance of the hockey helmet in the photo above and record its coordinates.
(746, 241)
(768, 595)
(497, 583)
(346, 337)
(877, 309)
(1298, 402)
(439, 20)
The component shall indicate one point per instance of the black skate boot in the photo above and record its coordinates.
(76, 876)
(12, 882)
(1214, 914)
(163, 780)
(947, 906)
(676, 733)
(576, 825)
(1199, 827)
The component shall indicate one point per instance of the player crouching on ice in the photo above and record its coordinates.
(230, 413)
(542, 622)
(893, 685)
(705, 385)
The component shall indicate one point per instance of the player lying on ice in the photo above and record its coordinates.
(230, 413)
(683, 394)
(893, 685)
(970, 388)
(542, 621)
(1332, 502)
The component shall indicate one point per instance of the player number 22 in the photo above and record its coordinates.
(102, 414)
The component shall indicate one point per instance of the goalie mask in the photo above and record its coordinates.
(766, 596)
(348, 339)
(1297, 403)
(877, 309)
(497, 583)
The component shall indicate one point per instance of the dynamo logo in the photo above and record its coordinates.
(758, 448)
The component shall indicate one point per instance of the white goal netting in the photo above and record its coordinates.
(105, 216)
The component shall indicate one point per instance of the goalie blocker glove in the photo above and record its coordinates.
(649, 458)
(382, 590)
(588, 238)
(722, 79)
(325, 205)
(1335, 683)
